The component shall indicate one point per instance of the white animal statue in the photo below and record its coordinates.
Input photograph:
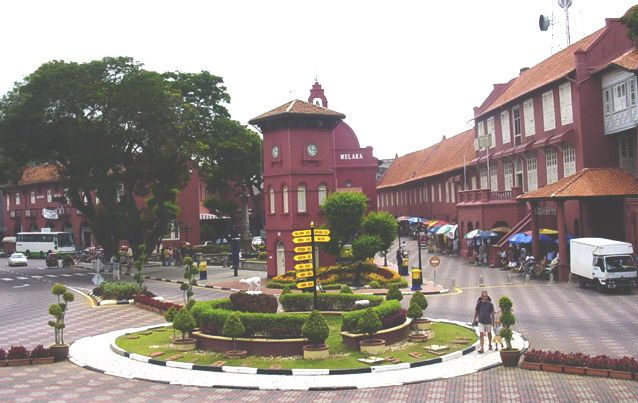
(254, 283)
(362, 303)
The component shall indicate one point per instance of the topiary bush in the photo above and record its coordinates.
(374, 284)
(245, 302)
(415, 311)
(393, 319)
(420, 300)
(366, 272)
(118, 290)
(394, 293)
(58, 311)
(184, 322)
(325, 302)
(316, 328)
(350, 319)
(345, 289)
(233, 328)
(369, 323)
(507, 320)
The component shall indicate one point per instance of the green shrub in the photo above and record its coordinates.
(67, 260)
(394, 293)
(414, 311)
(507, 320)
(366, 246)
(402, 283)
(350, 319)
(420, 299)
(262, 255)
(374, 284)
(345, 289)
(331, 286)
(369, 323)
(316, 328)
(184, 322)
(245, 302)
(286, 290)
(118, 290)
(325, 302)
(233, 328)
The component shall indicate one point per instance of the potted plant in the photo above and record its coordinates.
(574, 363)
(18, 355)
(58, 311)
(415, 313)
(533, 359)
(185, 323)
(509, 356)
(623, 368)
(41, 355)
(420, 323)
(598, 366)
(316, 330)
(369, 323)
(3, 358)
(233, 328)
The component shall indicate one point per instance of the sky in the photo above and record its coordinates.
(405, 73)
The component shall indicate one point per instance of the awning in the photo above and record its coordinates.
(207, 216)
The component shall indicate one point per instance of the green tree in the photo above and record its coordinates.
(507, 320)
(365, 246)
(419, 298)
(414, 311)
(169, 315)
(344, 214)
(233, 328)
(384, 225)
(315, 329)
(190, 271)
(116, 132)
(630, 21)
(394, 293)
(58, 311)
(184, 322)
(369, 323)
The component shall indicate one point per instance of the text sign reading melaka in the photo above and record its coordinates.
(305, 284)
(302, 249)
(301, 232)
(351, 156)
(304, 274)
(298, 258)
(303, 266)
(302, 239)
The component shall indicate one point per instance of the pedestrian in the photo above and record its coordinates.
(484, 317)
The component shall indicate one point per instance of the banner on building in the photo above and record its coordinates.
(50, 214)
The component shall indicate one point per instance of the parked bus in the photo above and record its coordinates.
(40, 243)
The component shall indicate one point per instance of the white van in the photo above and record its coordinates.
(603, 263)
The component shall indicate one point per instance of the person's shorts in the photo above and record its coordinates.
(483, 328)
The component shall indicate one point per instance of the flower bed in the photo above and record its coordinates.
(361, 272)
(154, 304)
(20, 355)
(580, 364)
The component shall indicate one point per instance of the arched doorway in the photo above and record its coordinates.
(281, 258)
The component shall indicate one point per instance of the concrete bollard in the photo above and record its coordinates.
(481, 281)
(452, 283)
(551, 278)
(509, 278)
(527, 278)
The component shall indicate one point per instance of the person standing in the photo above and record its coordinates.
(484, 316)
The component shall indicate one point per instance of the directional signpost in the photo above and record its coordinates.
(307, 269)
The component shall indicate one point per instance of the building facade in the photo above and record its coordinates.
(308, 152)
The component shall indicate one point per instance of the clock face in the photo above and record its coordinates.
(275, 151)
(311, 150)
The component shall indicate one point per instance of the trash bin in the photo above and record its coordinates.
(203, 270)
(403, 264)
(417, 280)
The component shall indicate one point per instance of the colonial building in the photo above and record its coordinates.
(308, 152)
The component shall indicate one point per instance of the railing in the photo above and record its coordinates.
(486, 195)
(501, 195)
(33, 213)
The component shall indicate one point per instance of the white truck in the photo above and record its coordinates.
(603, 263)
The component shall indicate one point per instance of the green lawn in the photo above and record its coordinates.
(340, 355)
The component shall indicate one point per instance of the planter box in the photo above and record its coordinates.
(234, 354)
(620, 374)
(552, 368)
(574, 370)
(60, 351)
(603, 373)
(372, 346)
(19, 362)
(42, 360)
(391, 335)
(188, 344)
(316, 352)
(534, 366)
(3, 363)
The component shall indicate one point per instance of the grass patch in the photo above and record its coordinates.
(340, 355)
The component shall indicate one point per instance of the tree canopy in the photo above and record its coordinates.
(344, 214)
(382, 224)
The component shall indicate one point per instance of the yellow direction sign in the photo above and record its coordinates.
(305, 284)
(320, 231)
(322, 238)
(303, 239)
(302, 249)
(298, 258)
(303, 266)
(301, 232)
(304, 274)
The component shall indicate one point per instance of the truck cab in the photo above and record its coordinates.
(616, 271)
(603, 263)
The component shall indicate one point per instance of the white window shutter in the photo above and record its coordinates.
(505, 127)
(566, 113)
(530, 123)
(549, 115)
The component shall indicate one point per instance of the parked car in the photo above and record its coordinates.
(18, 259)
(52, 260)
(258, 241)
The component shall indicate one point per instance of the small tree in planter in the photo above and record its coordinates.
(233, 328)
(394, 293)
(419, 298)
(58, 311)
(185, 323)
(190, 271)
(316, 330)
(369, 323)
(415, 313)
(142, 258)
(169, 315)
(419, 301)
(509, 355)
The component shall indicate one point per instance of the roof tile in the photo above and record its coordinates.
(39, 174)
(297, 107)
(590, 182)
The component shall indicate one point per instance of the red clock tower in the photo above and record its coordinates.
(308, 152)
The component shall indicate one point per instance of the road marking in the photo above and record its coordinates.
(66, 275)
(7, 279)
(80, 274)
(38, 277)
(51, 275)
(20, 286)
(23, 278)
(42, 268)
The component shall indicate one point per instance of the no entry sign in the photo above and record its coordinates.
(435, 261)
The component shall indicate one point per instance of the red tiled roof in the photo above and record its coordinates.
(39, 174)
(590, 182)
(297, 107)
(442, 157)
(551, 69)
(628, 61)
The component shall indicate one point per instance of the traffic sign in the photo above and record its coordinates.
(303, 239)
(303, 266)
(301, 232)
(322, 238)
(306, 284)
(298, 258)
(435, 261)
(321, 231)
(302, 249)
(304, 274)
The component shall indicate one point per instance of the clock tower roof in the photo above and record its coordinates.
(297, 108)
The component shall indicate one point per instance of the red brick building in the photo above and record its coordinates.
(308, 152)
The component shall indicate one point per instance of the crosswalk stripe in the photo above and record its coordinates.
(36, 276)
(7, 279)
(66, 275)
(23, 278)
(51, 275)
(80, 274)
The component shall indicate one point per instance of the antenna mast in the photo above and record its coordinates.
(565, 4)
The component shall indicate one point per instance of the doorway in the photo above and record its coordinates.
(281, 258)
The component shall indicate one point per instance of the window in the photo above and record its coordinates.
(440, 193)
(49, 196)
(490, 131)
(322, 193)
(549, 116)
(569, 160)
(516, 116)
(532, 175)
(483, 175)
(607, 101)
(508, 171)
(271, 201)
(528, 112)
(620, 97)
(627, 153)
(551, 162)
(632, 91)
(447, 192)
(32, 198)
(284, 196)
(453, 186)
(493, 177)
(565, 96)
(505, 127)
(473, 182)
(518, 173)
(425, 191)
(301, 199)
(17, 198)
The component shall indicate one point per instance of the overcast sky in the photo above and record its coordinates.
(404, 73)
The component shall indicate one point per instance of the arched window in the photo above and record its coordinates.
(284, 196)
(271, 194)
(322, 193)
(301, 199)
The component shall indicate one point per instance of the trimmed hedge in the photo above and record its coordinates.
(351, 319)
(245, 302)
(211, 316)
(118, 290)
(325, 302)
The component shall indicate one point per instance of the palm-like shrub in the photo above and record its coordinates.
(415, 311)
(420, 299)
